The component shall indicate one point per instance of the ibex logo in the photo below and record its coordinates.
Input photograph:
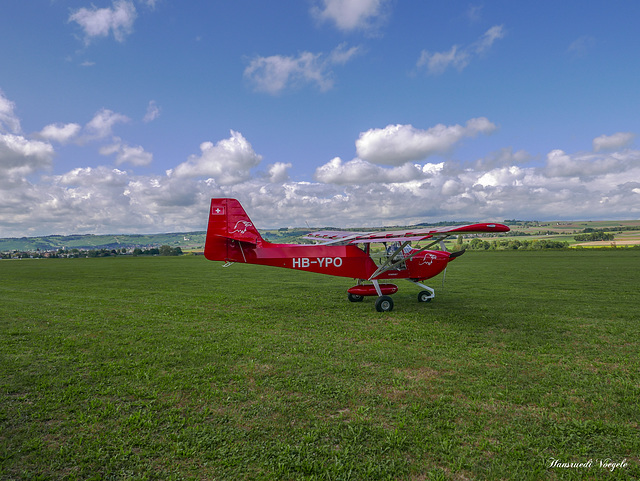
(428, 259)
(241, 227)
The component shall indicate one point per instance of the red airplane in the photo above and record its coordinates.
(232, 237)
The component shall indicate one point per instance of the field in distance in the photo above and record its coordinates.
(625, 233)
(175, 368)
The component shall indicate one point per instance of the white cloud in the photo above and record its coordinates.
(397, 144)
(135, 156)
(582, 165)
(89, 176)
(150, 3)
(351, 14)
(20, 156)
(459, 57)
(341, 54)
(61, 133)
(228, 162)
(153, 112)
(101, 125)
(613, 142)
(361, 172)
(359, 193)
(278, 172)
(501, 176)
(487, 40)
(100, 22)
(9, 122)
(503, 157)
(438, 62)
(275, 73)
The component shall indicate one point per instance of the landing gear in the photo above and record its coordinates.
(355, 297)
(384, 304)
(425, 296)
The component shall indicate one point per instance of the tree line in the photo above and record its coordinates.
(511, 244)
(591, 235)
(163, 250)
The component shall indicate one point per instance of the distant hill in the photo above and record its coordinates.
(627, 233)
(185, 240)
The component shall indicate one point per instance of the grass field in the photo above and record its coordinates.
(174, 368)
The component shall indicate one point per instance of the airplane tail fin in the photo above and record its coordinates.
(228, 222)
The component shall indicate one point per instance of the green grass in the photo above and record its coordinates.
(174, 368)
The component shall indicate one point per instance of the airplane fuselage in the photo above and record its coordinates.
(336, 260)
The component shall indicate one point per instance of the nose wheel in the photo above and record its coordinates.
(425, 296)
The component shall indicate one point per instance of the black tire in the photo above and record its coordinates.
(424, 296)
(384, 304)
(355, 297)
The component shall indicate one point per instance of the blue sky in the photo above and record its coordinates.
(129, 115)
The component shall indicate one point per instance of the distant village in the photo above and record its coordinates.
(76, 253)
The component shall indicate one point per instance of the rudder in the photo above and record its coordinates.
(228, 221)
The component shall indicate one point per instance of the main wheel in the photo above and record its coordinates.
(424, 296)
(355, 297)
(384, 304)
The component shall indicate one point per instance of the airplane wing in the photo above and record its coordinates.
(335, 236)
(415, 235)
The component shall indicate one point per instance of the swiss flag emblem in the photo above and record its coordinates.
(217, 210)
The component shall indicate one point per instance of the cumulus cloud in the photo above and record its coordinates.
(397, 144)
(613, 142)
(275, 73)
(100, 22)
(459, 57)
(9, 121)
(582, 165)
(61, 133)
(361, 172)
(503, 157)
(89, 176)
(126, 154)
(351, 14)
(20, 156)
(359, 193)
(101, 125)
(278, 172)
(227, 162)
